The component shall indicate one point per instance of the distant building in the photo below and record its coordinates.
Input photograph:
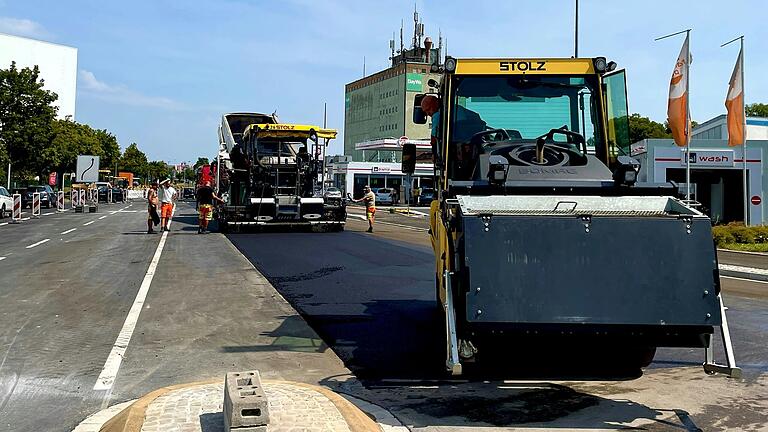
(379, 108)
(57, 64)
(716, 169)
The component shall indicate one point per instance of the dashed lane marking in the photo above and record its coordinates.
(68, 231)
(4, 223)
(88, 223)
(38, 243)
(102, 217)
(2, 258)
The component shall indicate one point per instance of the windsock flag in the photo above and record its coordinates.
(734, 103)
(677, 107)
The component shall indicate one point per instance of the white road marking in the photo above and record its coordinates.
(68, 231)
(102, 217)
(38, 243)
(25, 219)
(88, 223)
(4, 223)
(742, 269)
(2, 258)
(108, 374)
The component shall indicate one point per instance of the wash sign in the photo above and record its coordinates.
(714, 158)
(414, 82)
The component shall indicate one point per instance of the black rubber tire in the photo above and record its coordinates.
(2, 212)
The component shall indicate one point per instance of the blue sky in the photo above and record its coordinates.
(161, 72)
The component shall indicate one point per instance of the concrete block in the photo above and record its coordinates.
(245, 403)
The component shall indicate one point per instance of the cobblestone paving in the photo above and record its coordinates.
(199, 409)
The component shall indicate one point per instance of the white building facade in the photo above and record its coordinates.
(57, 64)
(717, 170)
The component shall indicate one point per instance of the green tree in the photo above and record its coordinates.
(134, 160)
(158, 170)
(26, 117)
(641, 128)
(757, 109)
(110, 149)
(200, 162)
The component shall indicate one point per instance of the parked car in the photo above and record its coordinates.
(385, 196)
(188, 193)
(426, 196)
(332, 192)
(6, 202)
(47, 196)
(117, 194)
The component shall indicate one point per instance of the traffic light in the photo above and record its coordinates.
(409, 158)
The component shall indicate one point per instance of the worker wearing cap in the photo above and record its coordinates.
(167, 195)
(369, 198)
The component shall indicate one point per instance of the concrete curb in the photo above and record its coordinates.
(129, 416)
(744, 275)
(743, 252)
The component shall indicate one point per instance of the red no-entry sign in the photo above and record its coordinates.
(756, 200)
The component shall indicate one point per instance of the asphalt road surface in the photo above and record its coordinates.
(68, 283)
(371, 298)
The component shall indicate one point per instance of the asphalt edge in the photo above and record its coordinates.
(131, 418)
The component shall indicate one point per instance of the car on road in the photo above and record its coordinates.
(47, 196)
(118, 195)
(6, 202)
(332, 192)
(385, 196)
(426, 196)
(188, 193)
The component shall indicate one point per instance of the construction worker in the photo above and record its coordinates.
(369, 198)
(152, 217)
(205, 198)
(167, 195)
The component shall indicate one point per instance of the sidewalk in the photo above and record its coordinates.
(198, 407)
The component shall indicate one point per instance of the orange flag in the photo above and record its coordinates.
(677, 107)
(734, 103)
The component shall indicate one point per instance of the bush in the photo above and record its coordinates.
(737, 233)
(722, 235)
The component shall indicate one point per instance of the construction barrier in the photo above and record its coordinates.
(60, 201)
(81, 198)
(16, 216)
(36, 204)
(136, 194)
(73, 195)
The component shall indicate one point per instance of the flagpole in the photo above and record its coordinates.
(688, 117)
(744, 156)
(744, 135)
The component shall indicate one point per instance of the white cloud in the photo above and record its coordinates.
(23, 27)
(90, 85)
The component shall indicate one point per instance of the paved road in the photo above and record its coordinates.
(371, 298)
(64, 302)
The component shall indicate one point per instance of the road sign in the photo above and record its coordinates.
(756, 200)
(402, 140)
(87, 169)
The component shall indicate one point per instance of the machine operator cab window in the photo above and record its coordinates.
(529, 120)
(505, 115)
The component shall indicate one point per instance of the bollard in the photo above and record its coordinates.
(109, 196)
(16, 217)
(60, 201)
(36, 205)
